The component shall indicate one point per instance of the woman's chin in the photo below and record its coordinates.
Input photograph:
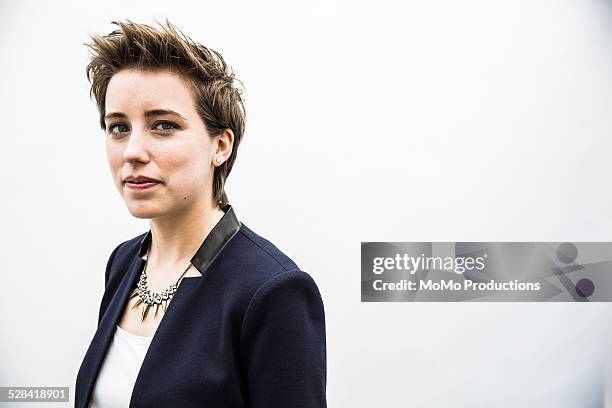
(144, 211)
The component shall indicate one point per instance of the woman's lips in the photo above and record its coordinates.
(141, 186)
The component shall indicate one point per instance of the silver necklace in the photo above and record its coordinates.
(150, 299)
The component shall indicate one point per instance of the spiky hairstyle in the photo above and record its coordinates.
(214, 85)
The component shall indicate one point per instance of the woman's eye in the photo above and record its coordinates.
(118, 128)
(165, 126)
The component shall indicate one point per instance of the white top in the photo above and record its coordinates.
(113, 388)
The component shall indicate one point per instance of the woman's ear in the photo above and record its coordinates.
(225, 144)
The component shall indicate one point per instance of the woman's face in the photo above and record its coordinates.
(153, 130)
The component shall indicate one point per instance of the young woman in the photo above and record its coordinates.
(199, 311)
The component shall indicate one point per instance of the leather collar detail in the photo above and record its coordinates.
(213, 244)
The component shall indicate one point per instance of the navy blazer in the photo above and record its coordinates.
(249, 332)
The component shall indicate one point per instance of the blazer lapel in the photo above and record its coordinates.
(104, 335)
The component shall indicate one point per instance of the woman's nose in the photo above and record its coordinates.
(136, 147)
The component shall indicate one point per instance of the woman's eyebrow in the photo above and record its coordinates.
(115, 115)
(149, 113)
(158, 112)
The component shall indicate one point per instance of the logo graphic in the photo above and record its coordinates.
(486, 272)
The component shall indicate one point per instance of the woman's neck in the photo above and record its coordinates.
(175, 239)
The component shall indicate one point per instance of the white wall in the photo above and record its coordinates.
(471, 120)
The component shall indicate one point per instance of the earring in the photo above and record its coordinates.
(219, 159)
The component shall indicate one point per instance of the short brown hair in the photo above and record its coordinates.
(218, 100)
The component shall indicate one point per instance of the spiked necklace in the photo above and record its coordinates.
(150, 299)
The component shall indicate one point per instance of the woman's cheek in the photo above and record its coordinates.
(114, 162)
(188, 183)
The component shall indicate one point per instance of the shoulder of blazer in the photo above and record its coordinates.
(257, 266)
(263, 251)
(262, 259)
(120, 259)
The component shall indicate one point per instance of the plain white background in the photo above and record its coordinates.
(470, 120)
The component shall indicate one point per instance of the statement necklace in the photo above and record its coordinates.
(150, 299)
